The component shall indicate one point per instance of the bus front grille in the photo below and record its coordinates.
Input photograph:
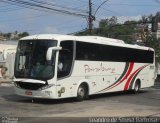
(29, 86)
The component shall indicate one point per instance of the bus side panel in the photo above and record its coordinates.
(99, 75)
(103, 77)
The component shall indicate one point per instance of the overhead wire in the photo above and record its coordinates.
(37, 5)
(125, 4)
(25, 4)
(22, 3)
(56, 5)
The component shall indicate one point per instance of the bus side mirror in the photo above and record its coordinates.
(49, 52)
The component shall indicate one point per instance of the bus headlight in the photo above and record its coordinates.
(46, 86)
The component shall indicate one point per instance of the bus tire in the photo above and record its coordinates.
(82, 92)
(136, 87)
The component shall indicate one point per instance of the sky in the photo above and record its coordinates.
(16, 18)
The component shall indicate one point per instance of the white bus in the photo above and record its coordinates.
(62, 66)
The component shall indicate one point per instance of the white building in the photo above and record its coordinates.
(7, 56)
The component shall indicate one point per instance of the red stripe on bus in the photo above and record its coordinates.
(125, 77)
(123, 74)
(131, 77)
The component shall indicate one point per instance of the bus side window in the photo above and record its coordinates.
(65, 59)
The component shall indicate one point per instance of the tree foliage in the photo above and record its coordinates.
(112, 29)
(155, 44)
(23, 34)
(14, 36)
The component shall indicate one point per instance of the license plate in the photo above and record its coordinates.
(29, 93)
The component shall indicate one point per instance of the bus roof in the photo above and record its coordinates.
(90, 39)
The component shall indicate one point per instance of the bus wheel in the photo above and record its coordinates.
(136, 87)
(82, 93)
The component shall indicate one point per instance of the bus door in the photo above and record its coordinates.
(65, 64)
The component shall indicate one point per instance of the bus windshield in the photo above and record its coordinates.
(31, 59)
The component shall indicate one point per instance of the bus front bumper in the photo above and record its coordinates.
(47, 93)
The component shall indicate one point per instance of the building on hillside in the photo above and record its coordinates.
(142, 30)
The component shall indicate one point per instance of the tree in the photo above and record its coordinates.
(113, 20)
(7, 35)
(155, 44)
(23, 34)
(107, 22)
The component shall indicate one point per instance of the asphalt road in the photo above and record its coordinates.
(146, 103)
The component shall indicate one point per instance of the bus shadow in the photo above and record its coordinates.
(116, 94)
(20, 99)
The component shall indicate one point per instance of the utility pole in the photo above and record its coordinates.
(90, 19)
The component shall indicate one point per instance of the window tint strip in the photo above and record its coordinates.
(99, 52)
